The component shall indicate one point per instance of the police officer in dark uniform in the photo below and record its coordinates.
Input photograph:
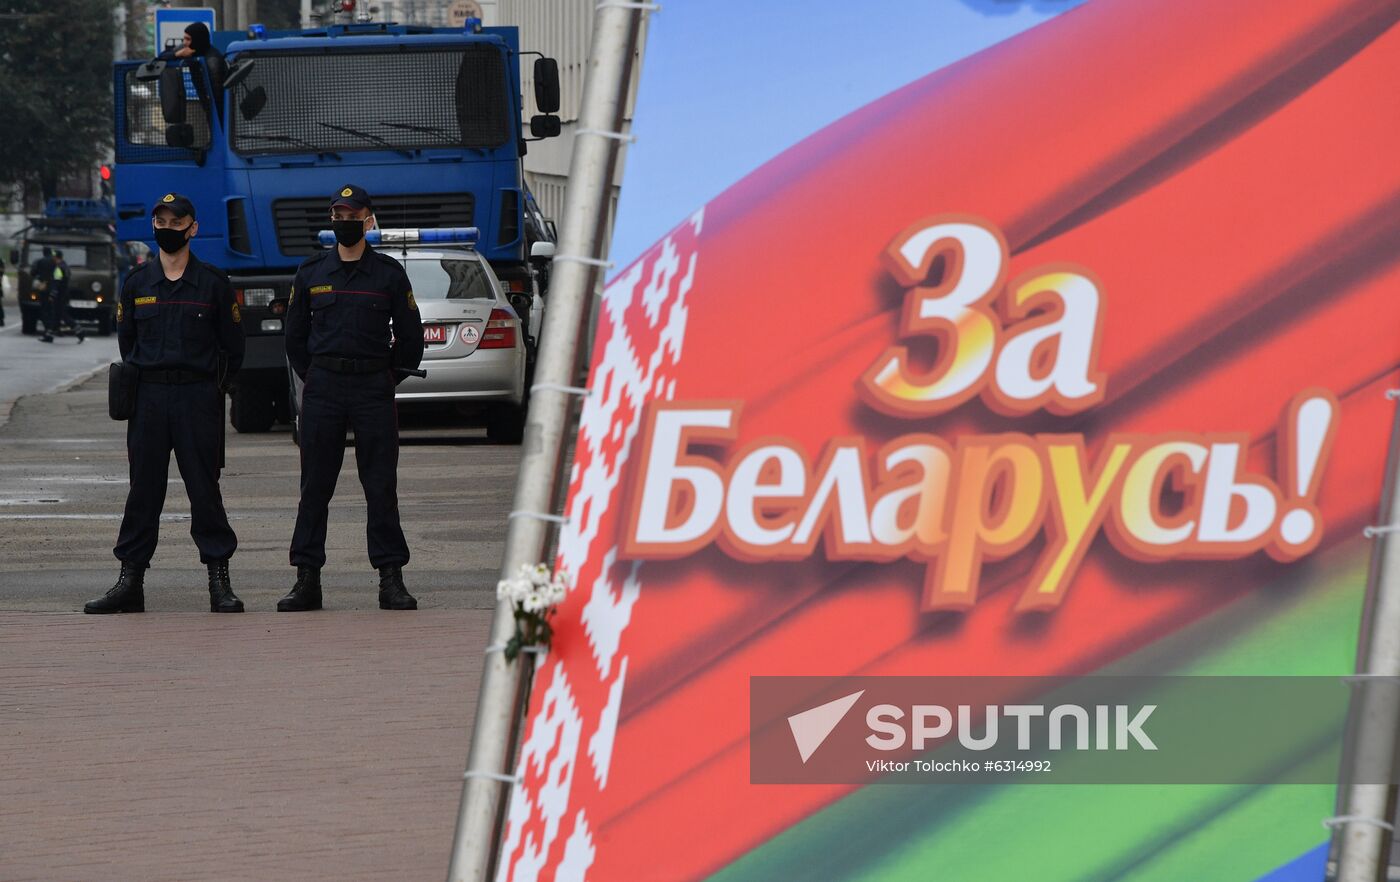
(179, 323)
(339, 342)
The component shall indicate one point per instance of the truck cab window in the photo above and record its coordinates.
(423, 99)
(143, 125)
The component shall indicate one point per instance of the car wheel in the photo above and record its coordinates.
(252, 410)
(506, 424)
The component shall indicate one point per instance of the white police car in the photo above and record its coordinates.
(474, 344)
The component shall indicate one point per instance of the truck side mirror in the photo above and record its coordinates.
(544, 126)
(150, 71)
(547, 85)
(542, 250)
(238, 73)
(252, 103)
(180, 135)
(172, 95)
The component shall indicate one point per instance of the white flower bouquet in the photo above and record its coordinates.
(535, 592)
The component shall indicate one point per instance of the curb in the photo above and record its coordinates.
(7, 407)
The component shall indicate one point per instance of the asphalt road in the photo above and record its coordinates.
(63, 480)
(28, 367)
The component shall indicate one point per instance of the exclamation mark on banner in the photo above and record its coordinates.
(1305, 440)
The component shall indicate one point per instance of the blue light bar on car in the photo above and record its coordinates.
(415, 236)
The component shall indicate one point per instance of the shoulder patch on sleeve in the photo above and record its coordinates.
(237, 316)
(411, 304)
(119, 310)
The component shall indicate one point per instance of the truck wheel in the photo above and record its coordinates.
(104, 325)
(506, 424)
(282, 406)
(28, 322)
(252, 410)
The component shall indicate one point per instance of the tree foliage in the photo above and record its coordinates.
(55, 88)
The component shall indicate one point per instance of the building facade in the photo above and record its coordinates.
(562, 30)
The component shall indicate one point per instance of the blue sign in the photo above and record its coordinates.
(171, 23)
(170, 26)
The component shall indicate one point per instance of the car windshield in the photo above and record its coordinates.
(86, 256)
(449, 278)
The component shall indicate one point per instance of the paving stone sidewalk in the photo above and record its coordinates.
(189, 746)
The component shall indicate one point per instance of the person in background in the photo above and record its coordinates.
(60, 293)
(40, 277)
(48, 270)
(196, 43)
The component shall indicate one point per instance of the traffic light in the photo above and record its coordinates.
(104, 172)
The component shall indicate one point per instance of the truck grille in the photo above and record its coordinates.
(299, 220)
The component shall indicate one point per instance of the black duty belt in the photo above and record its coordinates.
(352, 365)
(174, 377)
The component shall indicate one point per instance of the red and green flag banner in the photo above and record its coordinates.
(1067, 358)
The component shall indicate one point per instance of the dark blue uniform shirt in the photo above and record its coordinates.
(345, 311)
(179, 325)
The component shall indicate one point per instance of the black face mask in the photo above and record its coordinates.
(348, 232)
(171, 241)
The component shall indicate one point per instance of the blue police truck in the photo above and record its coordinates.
(428, 120)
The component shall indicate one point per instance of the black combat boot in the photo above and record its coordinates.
(128, 595)
(305, 594)
(221, 596)
(392, 593)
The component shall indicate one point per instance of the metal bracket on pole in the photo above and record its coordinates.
(1343, 820)
(491, 776)
(581, 391)
(539, 516)
(624, 137)
(501, 647)
(1392, 394)
(1373, 532)
(629, 4)
(579, 258)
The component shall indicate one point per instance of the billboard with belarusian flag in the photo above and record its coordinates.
(1064, 358)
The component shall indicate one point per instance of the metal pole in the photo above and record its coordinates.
(615, 30)
(1362, 835)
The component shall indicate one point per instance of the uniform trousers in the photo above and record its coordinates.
(184, 418)
(330, 403)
